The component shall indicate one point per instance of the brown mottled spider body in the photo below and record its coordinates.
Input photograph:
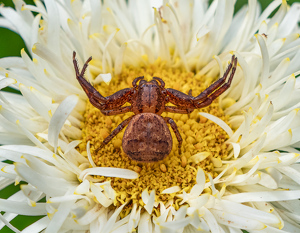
(147, 134)
(147, 137)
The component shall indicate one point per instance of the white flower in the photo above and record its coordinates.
(256, 187)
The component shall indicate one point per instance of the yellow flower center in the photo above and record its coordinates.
(202, 147)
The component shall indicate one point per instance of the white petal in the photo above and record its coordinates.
(67, 198)
(149, 201)
(59, 216)
(37, 226)
(91, 215)
(110, 223)
(6, 82)
(89, 154)
(173, 189)
(264, 196)
(219, 122)
(59, 117)
(101, 198)
(8, 224)
(197, 158)
(22, 208)
(50, 185)
(83, 188)
(103, 77)
(145, 224)
(109, 172)
(237, 221)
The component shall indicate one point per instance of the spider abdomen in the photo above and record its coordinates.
(147, 138)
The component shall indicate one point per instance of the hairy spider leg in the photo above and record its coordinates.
(180, 109)
(176, 131)
(219, 91)
(95, 97)
(217, 83)
(181, 99)
(112, 102)
(114, 133)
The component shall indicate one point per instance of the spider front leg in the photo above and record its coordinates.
(95, 97)
(208, 95)
(111, 102)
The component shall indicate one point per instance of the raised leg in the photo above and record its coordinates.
(113, 101)
(175, 129)
(219, 82)
(114, 133)
(95, 97)
(181, 99)
(219, 91)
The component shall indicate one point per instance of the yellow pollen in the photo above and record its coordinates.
(202, 147)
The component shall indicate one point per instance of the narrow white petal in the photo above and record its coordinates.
(110, 223)
(175, 225)
(89, 155)
(268, 181)
(59, 117)
(17, 21)
(59, 217)
(219, 122)
(7, 62)
(6, 82)
(91, 215)
(236, 149)
(22, 208)
(67, 198)
(103, 77)
(31, 137)
(211, 221)
(109, 172)
(237, 221)
(101, 198)
(197, 158)
(13, 138)
(291, 172)
(37, 226)
(49, 185)
(72, 145)
(55, 61)
(264, 196)
(83, 188)
(173, 189)
(150, 202)
(8, 224)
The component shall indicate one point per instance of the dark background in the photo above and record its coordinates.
(11, 45)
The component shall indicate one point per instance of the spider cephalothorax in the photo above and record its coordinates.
(147, 137)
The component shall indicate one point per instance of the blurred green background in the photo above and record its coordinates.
(11, 45)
